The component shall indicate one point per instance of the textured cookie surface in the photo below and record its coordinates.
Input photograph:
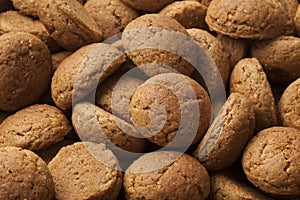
(24, 175)
(157, 43)
(11, 21)
(280, 58)
(80, 73)
(166, 175)
(297, 20)
(96, 125)
(147, 5)
(85, 171)
(249, 19)
(35, 127)
(249, 79)
(289, 105)
(110, 15)
(224, 141)
(25, 65)
(189, 14)
(271, 161)
(214, 49)
(165, 106)
(225, 187)
(69, 23)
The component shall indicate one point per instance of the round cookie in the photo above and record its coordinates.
(249, 79)
(237, 49)
(68, 23)
(226, 138)
(171, 108)
(297, 20)
(12, 21)
(25, 65)
(157, 43)
(114, 93)
(271, 161)
(148, 5)
(225, 187)
(250, 19)
(57, 58)
(96, 125)
(190, 14)
(24, 175)
(111, 16)
(214, 49)
(80, 73)
(35, 127)
(166, 175)
(279, 57)
(85, 171)
(289, 105)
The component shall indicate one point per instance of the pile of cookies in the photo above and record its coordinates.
(150, 99)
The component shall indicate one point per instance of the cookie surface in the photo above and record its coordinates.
(297, 20)
(85, 171)
(24, 175)
(96, 125)
(166, 175)
(237, 19)
(68, 23)
(162, 109)
(34, 127)
(224, 141)
(271, 161)
(289, 105)
(189, 14)
(249, 79)
(25, 64)
(147, 5)
(157, 44)
(279, 57)
(110, 15)
(80, 73)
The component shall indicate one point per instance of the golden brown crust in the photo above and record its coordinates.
(249, 79)
(247, 18)
(167, 98)
(297, 20)
(68, 23)
(152, 42)
(290, 8)
(85, 171)
(80, 73)
(289, 105)
(271, 161)
(224, 141)
(96, 125)
(214, 49)
(111, 16)
(25, 65)
(279, 57)
(35, 127)
(147, 5)
(24, 175)
(189, 14)
(181, 178)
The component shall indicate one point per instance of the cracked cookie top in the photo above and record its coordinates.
(271, 161)
(248, 19)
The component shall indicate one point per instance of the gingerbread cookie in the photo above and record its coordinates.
(237, 19)
(35, 127)
(24, 175)
(271, 161)
(289, 105)
(85, 171)
(166, 175)
(249, 79)
(25, 65)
